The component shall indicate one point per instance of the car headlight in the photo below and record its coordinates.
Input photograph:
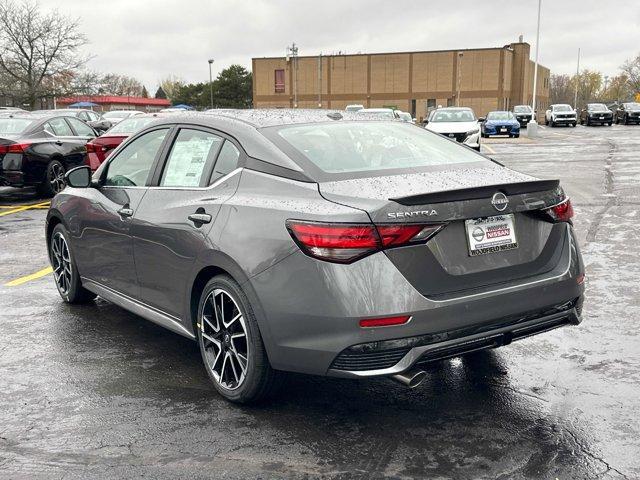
(473, 132)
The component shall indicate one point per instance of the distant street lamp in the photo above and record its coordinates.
(292, 52)
(211, 81)
(532, 126)
(460, 55)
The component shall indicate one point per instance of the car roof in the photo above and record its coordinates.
(270, 117)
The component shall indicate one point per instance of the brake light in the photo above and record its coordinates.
(91, 147)
(14, 148)
(384, 322)
(344, 243)
(562, 212)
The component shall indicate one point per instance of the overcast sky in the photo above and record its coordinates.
(150, 40)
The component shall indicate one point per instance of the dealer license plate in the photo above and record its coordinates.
(491, 234)
(503, 130)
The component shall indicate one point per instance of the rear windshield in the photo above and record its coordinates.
(13, 126)
(351, 147)
(130, 125)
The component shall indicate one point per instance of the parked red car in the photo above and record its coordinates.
(100, 148)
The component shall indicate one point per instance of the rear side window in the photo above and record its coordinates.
(59, 127)
(347, 147)
(227, 161)
(82, 129)
(191, 152)
(130, 168)
(13, 126)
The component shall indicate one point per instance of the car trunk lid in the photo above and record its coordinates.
(453, 196)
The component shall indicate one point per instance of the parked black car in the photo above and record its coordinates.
(628, 112)
(39, 149)
(523, 113)
(596, 113)
(91, 118)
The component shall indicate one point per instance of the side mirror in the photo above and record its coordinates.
(425, 122)
(481, 119)
(79, 177)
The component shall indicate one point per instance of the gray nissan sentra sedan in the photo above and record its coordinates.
(320, 242)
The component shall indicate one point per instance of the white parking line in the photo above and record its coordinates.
(491, 150)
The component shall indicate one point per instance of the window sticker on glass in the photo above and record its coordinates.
(188, 158)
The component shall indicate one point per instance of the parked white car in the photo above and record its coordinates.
(560, 114)
(405, 116)
(457, 123)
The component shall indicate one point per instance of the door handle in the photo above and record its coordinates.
(126, 212)
(200, 218)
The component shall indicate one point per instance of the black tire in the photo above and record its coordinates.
(609, 123)
(65, 272)
(259, 381)
(574, 124)
(588, 122)
(516, 135)
(53, 181)
(552, 123)
(626, 120)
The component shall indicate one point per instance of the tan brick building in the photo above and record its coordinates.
(486, 78)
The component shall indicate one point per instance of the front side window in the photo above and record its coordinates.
(59, 127)
(348, 147)
(131, 167)
(82, 129)
(191, 152)
(227, 161)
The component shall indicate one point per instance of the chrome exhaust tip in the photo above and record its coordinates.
(411, 378)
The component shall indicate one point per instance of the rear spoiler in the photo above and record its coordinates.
(475, 193)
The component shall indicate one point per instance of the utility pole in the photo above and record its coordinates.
(292, 51)
(532, 126)
(460, 54)
(211, 82)
(320, 80)
(575, 98)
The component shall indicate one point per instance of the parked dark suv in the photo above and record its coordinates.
(628, 112)
(37, 150)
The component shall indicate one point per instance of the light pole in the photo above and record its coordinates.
(575, 98)
(532, 126)
(292, 51)
(460, 54)
(211, 82)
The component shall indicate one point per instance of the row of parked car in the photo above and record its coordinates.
(462, 125)
(37, 148)
(593, 114)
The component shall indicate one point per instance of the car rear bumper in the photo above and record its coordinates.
(12, 178)
(309, 312)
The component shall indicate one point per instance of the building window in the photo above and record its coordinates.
(279, 81)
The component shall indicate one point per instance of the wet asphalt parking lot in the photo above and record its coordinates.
(96, 392)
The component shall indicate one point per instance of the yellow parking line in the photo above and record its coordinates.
(28, 278)
(22, 208)
(491, 150)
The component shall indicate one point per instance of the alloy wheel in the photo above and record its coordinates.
(56, 177)
(224, 337)
(61, 260)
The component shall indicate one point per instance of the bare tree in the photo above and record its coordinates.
(35, 46)
(170, 85)
(631, 68)
(560, 90)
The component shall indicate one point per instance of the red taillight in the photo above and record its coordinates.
(14, 148)
(92, 147)
(562, 212)
(384, 322)
(344, 243)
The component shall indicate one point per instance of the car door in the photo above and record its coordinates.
(75, 143)
(171, 224)
(106, 256)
